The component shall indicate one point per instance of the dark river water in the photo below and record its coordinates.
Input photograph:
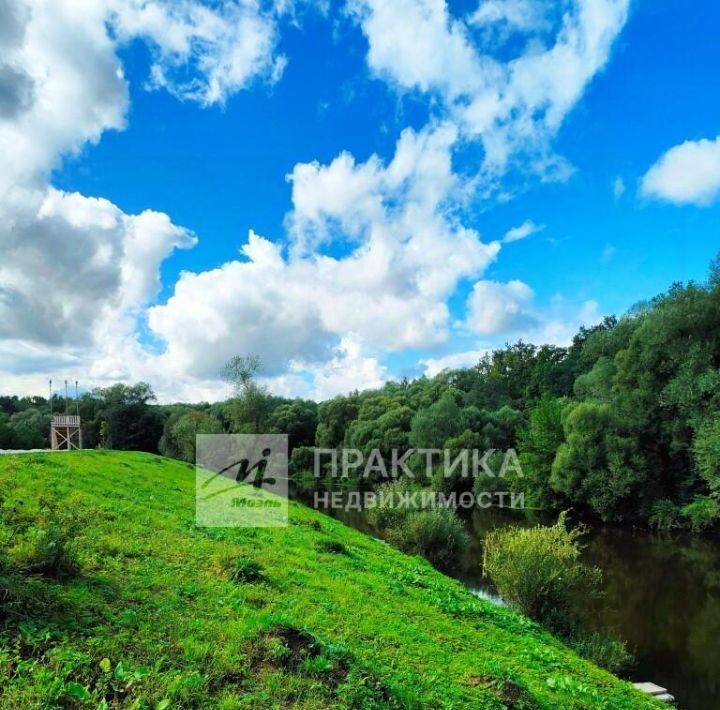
(661, 595)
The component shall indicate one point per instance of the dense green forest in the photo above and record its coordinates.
(622, 426)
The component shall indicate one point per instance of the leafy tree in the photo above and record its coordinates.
(430, 428)
(180, 433)
(251, 408)
(457, 479)
(31, 429)
(297, 419)
(104, 433)
(597, 383)
(334, 418)
(133, 424)
(706, 450)
(596, 467)
(6, 432)
(539, 444)
(714, 272)
(382, 425)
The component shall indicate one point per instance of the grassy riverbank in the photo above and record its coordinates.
(152, 612)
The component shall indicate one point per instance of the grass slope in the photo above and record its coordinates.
(160, 614)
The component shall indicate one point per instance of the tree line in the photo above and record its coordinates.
(622, 426)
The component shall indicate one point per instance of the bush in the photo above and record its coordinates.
(702, 513)
(43, 539)
(334, 547)
(605, 651)
(398, 501)
(415, 525)
(706, 452)
(435, 534)
(537, 571)
(665, 515)
(247, 572)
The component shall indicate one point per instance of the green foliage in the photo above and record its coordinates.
(30, 429)
(538, 572)
(382, 425)
(435, 534)
(596, 466)
(596, 384)
(603, 650)
(250, 409)
(458, 479)
(132, 424)
(247, 571)
(706, 450)
(521, 373)
(41, 537)
(334, 417)
(298, 419)
(538, 445)
(410, 522)
(665, 515)
(431, 427)
(241, 371)
(623, 420)
(180, 432)
(395, 502)
(703, 512)
(302, 459)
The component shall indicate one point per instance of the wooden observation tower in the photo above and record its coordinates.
(66, 429)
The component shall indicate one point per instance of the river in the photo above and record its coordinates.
(661, 594)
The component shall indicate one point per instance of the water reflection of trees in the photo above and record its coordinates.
(663, 597)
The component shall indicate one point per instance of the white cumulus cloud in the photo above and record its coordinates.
(466, 358)
(522, 231)
(495, 307)
(202, 53)
(513, 107)
(686, 174)
(388, 292)
(374, 249)
(77, 273)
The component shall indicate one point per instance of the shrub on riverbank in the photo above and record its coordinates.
(703, 513)
(603, 650)
(410, 523)
(538, 572)
(435, 534)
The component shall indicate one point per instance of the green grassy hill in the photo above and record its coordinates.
(148, 611)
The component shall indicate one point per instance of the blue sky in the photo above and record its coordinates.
(605, 231)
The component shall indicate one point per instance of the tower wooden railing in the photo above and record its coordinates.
(66, 420)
